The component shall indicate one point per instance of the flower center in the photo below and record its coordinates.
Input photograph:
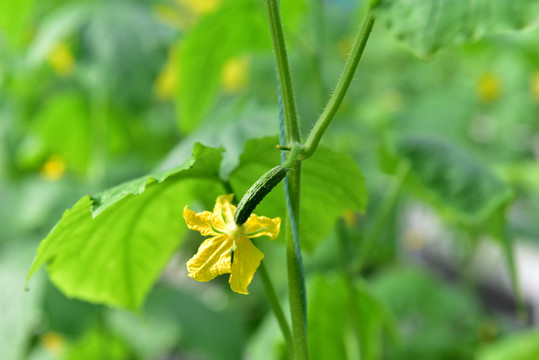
(235, 231)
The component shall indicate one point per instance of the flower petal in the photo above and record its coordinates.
(200, 222)
(212, 259)
(223, 212)
(257, 226)
(246, 260)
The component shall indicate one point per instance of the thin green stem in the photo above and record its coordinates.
(381, 215)
(352, 292)
(342, 86)
(283, 71)
(276, 306)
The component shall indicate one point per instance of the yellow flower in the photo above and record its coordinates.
(235, 73)
(229, 250)
(166, 83)
(535, 86)
(488, 87)
(53, 343)
(53, 169)
(61, 59)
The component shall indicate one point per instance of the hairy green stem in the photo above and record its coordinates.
(283, 71)
(380, 217)
(342, 87)
(293, 136)
(296, 281)
(276, 307)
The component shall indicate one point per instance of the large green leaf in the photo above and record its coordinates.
(112, 247)
(331, 184)
(454, 180)
(429, 25)
(236, 27)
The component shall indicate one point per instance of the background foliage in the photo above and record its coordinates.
(180, 95)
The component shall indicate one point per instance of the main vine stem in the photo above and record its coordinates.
(296, 287)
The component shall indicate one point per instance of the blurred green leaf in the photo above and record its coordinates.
(452, 179)
(122, 47)
(19, 310)
(112, 247)
(230, 127)
(429, 25)
(55, 28)
(522, 346)
(97, 344)
(331, 323)
(436, 320)
(178, 318)
(331, 184)
(236, 27)
(14, 20)
(462, 187)
(62, 127)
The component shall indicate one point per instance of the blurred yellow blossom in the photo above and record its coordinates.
(535, 86)
(235, 74)
(166, 84)
(61, 59)
(350, 218)
(53, 169)
(53, 343)
(172, 16)
(229, 250)
(488, 87)
(200, 7)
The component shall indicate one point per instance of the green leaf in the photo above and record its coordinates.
(460, 185)
(429, 25)
(112, 247)
(522, 346)
(331, 184)
(236, 27)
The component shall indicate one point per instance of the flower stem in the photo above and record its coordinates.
(276, 306)
(342, 86)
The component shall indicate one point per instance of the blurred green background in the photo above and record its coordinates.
(93, 93)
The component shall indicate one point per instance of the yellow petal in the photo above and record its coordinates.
(212, 259)
(257, 226)
(223, 212)
(246, 260)
(200, 222)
